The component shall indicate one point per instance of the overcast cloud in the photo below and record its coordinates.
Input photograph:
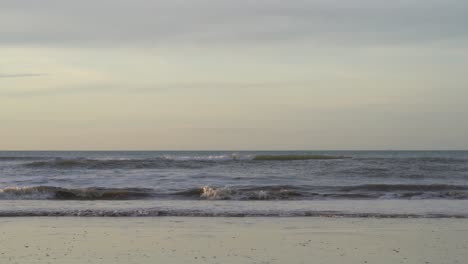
(119, 22)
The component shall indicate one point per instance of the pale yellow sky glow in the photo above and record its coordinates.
(296, 75)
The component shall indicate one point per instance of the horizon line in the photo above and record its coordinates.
(222, 150)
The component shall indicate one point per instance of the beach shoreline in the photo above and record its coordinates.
(232, 240)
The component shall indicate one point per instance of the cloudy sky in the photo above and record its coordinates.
(223, 74)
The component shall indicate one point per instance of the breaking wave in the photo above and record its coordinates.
(57, 193)
(157, 212)
(365, 192)
(240, 193)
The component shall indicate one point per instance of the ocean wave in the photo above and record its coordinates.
(21, 158)
(240, 193)
(159, 212)
(422, 160)
(243, 193)
(404, 187)
(58, 193)
(160, 163)
(166, 161)
(296, 157)
(221, 157)
(99, 193)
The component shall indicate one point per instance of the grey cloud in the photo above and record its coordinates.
(120, 22)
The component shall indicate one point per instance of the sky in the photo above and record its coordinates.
(233, 75)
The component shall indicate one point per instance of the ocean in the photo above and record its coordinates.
(230, 183)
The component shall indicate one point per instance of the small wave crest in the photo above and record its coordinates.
(358, 192)
(115, 164)
(166, 161)
(263, 193)
(404, 187)
(161, 162)
(296, 157)
(97, 193)
(20, 158)
(58, 193)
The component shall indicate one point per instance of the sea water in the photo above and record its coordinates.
(229, 183)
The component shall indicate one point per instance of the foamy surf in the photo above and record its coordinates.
(222, 208)
(240, 193)
(195, 213)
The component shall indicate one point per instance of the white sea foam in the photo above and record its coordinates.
(25, 193)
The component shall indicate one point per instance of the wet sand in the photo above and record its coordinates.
(232, 240)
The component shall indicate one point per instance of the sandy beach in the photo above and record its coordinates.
(232, 240)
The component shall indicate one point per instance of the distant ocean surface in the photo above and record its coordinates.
(226, 183)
